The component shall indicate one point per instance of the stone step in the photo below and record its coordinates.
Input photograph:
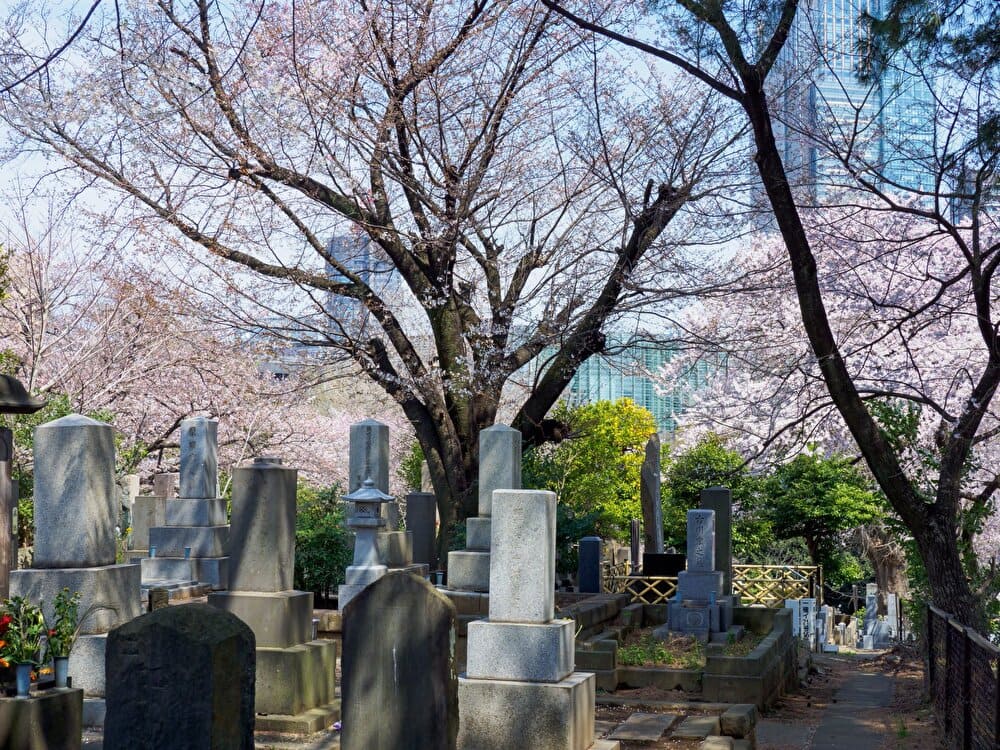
(196, 512)
(469, 571)
(155, 569)
(307, 722)
(204, 541)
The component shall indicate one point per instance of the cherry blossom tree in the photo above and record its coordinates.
(118, 340)
(524, 204)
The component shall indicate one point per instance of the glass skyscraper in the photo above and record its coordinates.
(883, 126)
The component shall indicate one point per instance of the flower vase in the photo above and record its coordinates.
(23, 673)
(60, 665)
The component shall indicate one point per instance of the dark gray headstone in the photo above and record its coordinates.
(180, 678)
(421, 521)
(720, 499)
(649, 496)
(588, 572)
(399, 688)
(262, 527)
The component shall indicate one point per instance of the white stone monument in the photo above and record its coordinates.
(520, 688)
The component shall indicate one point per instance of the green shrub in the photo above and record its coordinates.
(324, 546)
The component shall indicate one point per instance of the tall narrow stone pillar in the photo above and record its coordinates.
(720, 499)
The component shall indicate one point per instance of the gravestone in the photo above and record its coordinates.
(165, 484)
(649, 497)
(590, 558)
(8, 511)
(192, 543)
(699, 608)
(369, 459)
(295, 672)
(76, 504)
(634, 544)
(398, 688)
(892, 616)
(807, 621)
(421, 523)
(181, 678)
(520, 688)
(499, 468)
(720, 499)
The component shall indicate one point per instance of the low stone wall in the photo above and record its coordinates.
(766, 673)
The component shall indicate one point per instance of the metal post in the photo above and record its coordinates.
(966, 689)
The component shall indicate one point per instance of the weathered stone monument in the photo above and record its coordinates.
(76, 508)
(399, 688)
(720, 499)
(499, 469)
(649, 496)
(181, 678)
(520, 688)
(699, 608)
(192, 544)
(295, 673)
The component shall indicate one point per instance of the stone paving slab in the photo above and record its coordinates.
(854, 720)
(779, 734)
(697, 727)
(604, 728)
(644, 727)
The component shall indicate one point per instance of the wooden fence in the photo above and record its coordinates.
(769, 585)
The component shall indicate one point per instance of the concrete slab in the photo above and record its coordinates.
(777, 734)
(697, 727)
(644, 727)
(855, 720)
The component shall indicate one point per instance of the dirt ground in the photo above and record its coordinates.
(907, 725)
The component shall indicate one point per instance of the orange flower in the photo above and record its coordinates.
(4, 663)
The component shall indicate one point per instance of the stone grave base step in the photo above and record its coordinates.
(278, 620)
(307, 722)
(469, 571)
(94, 710)
(210, 571)
(114, 586)
(295, 679)
(518, 714)
(204, 541)
(200, 512)
(86, 664)
(395, 548)
(177, 590)
(47, 719)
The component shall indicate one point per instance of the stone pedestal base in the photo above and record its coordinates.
(395, 548)
(213, 571)
(292, 680)
(469, 571)
(520, 651)
(204, 541)
(195, 512)
(477, 534)
(278, 620)
(113, 586)
(536, 715)
(51, 719)
(86, 664)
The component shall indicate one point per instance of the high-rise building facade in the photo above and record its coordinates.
(830, 112)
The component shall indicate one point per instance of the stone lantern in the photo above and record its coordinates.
(366, 521)
(14, 399)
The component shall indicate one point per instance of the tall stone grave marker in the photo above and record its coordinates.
(76, 508)
(399, 689)
(720, 499)
(181, 678)
(192, 543)
(588, 577)
(369, 459)
(165, 484)
(649, 495)
(421, 523)
(699, 608)
(499, 469)
(520, 688)
(295, 674)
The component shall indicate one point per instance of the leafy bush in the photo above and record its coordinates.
(324, 546)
